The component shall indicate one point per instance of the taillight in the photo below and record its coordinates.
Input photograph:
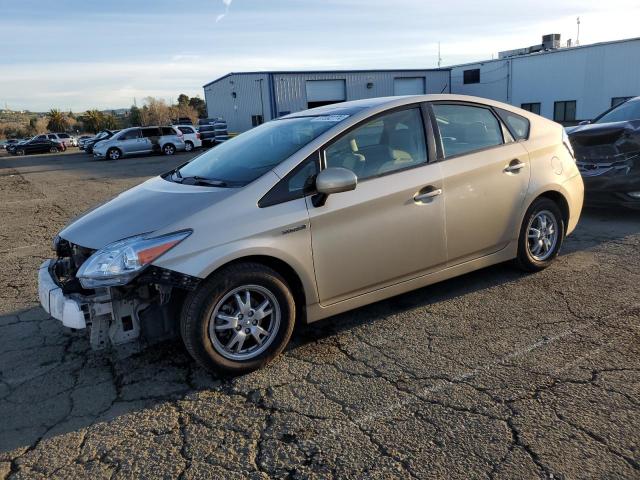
(198, 136)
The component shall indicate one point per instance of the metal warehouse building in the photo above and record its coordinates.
(250, 98)
(567, 84)
(564, 83)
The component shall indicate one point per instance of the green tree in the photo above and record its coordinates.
(57, 121)
(135, 118)
(92, 120)
(199, 105)
(109, 121)
(183, 99)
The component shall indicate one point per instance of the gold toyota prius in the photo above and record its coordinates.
(314, 214)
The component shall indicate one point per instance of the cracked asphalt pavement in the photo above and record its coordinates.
(494, 374)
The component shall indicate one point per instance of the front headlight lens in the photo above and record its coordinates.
(120, 262)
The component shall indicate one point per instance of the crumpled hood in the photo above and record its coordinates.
(152, 205)
(608, 155)
(605, 142)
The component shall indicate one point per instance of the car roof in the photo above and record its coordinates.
(379, 103)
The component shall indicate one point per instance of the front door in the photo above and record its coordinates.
(131, 142)
(485, 180)
(391, 227)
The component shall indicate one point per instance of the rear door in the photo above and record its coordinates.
(150, 139)
(386, 230)
(485, 179)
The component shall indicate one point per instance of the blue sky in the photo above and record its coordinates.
(79, 54)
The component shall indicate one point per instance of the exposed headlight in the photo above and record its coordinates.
(567, 143)
(120, 262)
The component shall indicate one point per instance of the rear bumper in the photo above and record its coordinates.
(61, 307)
(574, 187)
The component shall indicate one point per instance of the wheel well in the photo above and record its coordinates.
(562, 203)
(287, 272)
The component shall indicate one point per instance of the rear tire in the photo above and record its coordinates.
(210, 338)
(188, 146)
(541, 235)
(169, 149)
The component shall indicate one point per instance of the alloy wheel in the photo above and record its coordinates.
(542, 235)
(244, 322)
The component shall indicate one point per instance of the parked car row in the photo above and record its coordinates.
(140, 141)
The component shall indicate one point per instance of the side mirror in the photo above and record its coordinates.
(585, 122)
(333, 180)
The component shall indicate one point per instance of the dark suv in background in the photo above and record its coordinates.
(212, 131)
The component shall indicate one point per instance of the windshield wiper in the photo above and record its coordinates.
(196, 180)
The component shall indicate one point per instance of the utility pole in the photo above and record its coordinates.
(439, 57)
(578, 35)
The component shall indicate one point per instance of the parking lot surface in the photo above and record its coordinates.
(494, 374)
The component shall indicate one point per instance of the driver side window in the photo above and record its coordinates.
(391, 142)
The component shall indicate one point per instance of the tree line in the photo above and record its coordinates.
(154, 111)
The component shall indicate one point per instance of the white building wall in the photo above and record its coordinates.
(592, 75)
(494, 80)
(239, 110)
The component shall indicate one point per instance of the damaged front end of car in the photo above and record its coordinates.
(608, 157)
(115, 291)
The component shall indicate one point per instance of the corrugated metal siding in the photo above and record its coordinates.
(290, 88)
(239, 110)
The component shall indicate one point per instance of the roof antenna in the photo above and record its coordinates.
(578, 35)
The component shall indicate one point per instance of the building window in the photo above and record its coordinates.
(256, 120)
(471, 76)
(615, 101)
(564, 111)
(531, 107)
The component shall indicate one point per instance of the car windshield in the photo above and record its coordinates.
(622, 113)
(250, 155)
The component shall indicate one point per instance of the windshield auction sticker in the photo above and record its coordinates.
(330, 118)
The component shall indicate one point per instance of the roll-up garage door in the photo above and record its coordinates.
(324, 92)
(408, 86)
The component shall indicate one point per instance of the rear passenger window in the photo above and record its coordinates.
(465, 128)
(151, 132)
(394, 141)
(518, 125)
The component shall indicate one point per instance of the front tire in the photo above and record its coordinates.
(114, 154)
(53, 150)
(541, 235)
(20, 152)
(239, 319)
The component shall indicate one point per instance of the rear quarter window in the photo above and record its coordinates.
(168, 131)
(517, 124)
